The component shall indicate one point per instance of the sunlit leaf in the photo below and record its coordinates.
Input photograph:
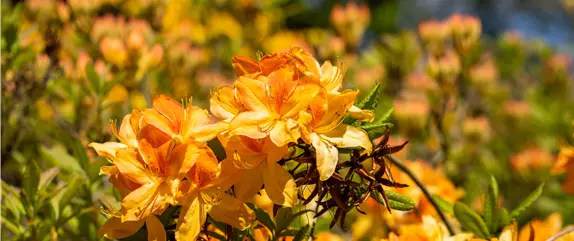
(376, 130)
(443, 205)
(470, 220)
(489, 210)
(60, 158)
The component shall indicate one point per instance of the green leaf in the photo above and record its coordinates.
(443, 205)
(80, 153)
(376, 130)
(470, 220)
(490, 205)
(371, 101)
(503, 217)
(12, 200)
(385, 116)
(212, 234)
(527, 202)
(285, 217)
(93, 78)
(46, 177)
(263, 217)
(30, 181)
(74, 184)
(397, 201)
(60, 158)
(302, 234)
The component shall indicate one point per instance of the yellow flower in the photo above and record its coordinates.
(429, 230)
(114, 228)
(325, 132)
(255, 161)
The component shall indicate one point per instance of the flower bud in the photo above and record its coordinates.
(434, 34)
(445, 69)
(466, 31)
(149, 60)
(530, 160)
(516, 109)
(136, 43)
(484, 76)
(351, 21)
(118, 93)
(556, 69)
(334, 47)
(81, 64)
(137, 100)
(366, 77)
(114, 51)
(63, 12)
(476, 129)
(411, 115)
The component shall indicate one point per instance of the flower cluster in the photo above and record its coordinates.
(162, 158)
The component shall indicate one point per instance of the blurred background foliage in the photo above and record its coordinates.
(475, 96)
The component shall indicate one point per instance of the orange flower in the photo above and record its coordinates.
(255, 164)
(565, 163)
(185, 124)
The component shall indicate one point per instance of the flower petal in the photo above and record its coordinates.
(145, 200)
(299, 99)
(114, 228)
(107, 149)
(274, 153)
(250, 184)
(284, 132)
(206, 132)
(193, 119)
(243, 65)
(126, 134)
(234, 212)
(337, 106)
(206, 168)
(191, 220)
(156, 119)
(348, 136)
(223, 103)
(128, 164)
(364, 115)
(251, 124)
(327, 156)
(155, 229)
(182, 158)
(279, 185)
(168, 108)
(252, 94)
(281, 86)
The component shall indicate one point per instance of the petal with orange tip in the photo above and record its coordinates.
(128, 164)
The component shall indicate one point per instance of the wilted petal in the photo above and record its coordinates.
(114, 228)
(327, 156)
(348, 136)
(191, 219)
(364, 115)
(234, 212)
(250, 183)
(155, 229)
(279, 185)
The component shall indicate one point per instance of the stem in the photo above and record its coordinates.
(418, 182)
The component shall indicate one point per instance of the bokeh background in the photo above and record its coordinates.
(488, 92)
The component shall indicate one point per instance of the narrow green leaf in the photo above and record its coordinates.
(443, 205)
(212, 234)
(46, 177)
(527, 202)
(93, 78)
(371, 101)
(30, 181)
(376, 130)
(285, 217)
(490, 205)
(397, 201)
(59, 157)
(263, 217)
(470, 220)
(74, 184)
(302, 234)
(503, 217)
(385, 116)
(80, 153)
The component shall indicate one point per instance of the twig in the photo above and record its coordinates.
(406, 170)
